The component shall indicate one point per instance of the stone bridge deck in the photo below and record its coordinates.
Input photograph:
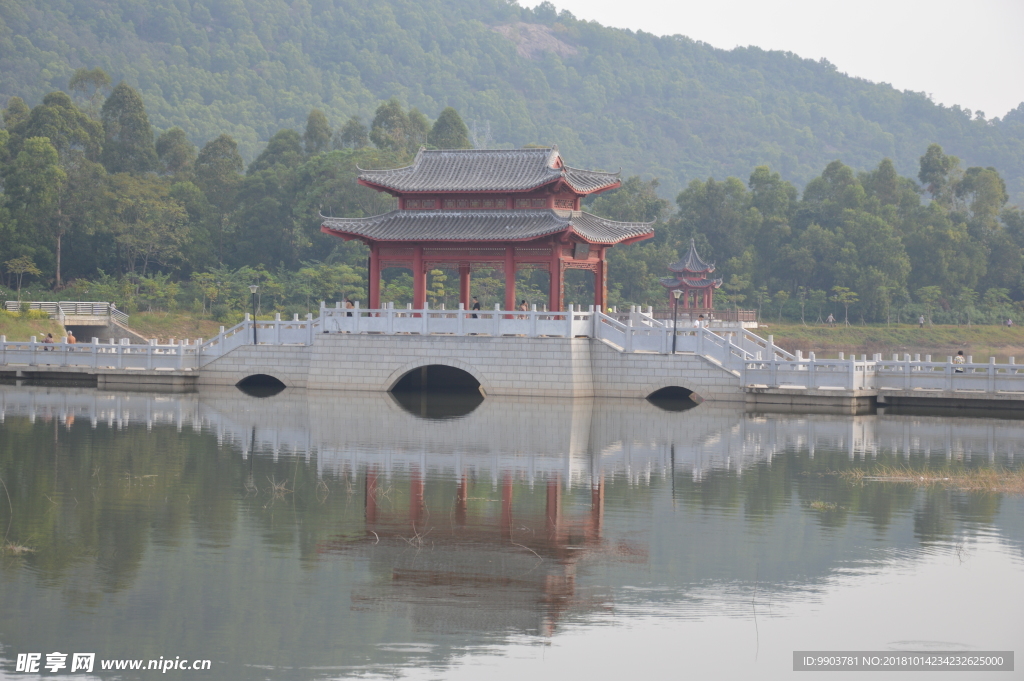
(576, 353)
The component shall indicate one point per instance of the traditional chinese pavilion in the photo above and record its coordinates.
(488, 209)
(691, 277)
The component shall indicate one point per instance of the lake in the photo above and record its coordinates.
(337, 535)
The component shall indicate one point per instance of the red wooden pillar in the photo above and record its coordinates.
(373, 276)
(419, 280)
(600, 281)
(555, 280)
(464, 285)
(510, 278)
(707, 298)
(553, 512)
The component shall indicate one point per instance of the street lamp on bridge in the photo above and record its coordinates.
(253, 288)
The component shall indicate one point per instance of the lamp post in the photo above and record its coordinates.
(675, 316)
(253, 288)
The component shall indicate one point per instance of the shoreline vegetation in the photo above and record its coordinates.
(985, 480)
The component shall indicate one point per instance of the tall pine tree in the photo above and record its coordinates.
(128, 147)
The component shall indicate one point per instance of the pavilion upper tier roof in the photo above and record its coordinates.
(478, 225)
(486, 170)
(692, 263)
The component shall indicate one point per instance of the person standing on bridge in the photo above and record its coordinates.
(71, 339)
(475, 307)
(523, 308)
(48, 340)
(959, 359)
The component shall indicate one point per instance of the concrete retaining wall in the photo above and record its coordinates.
(535, 367)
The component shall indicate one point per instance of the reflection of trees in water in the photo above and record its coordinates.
(107, 495)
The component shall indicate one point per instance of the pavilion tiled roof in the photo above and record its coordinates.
(692, 263)
(485, 225)
(672, 282)
(484, 170)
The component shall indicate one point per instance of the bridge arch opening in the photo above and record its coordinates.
(260, 385)
(438, 391)
(674, 398)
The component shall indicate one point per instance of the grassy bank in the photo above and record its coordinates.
(17, 328)
(167, 325)
(939, 341)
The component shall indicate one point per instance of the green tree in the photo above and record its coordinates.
(90, 84)
(218, 174)
(19, 267)
(929, 297)
(284, 148)
(58, 119)
(16, 112)
(419, 126)
(150, 228)
(176, 152)
(317, 136)
(33, 185)
(128, 146)
(449, 131)
(634, 201)
(352, 135)
(846, 298)
(938, 172)
(390, 128)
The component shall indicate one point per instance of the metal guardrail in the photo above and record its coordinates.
(60, 309)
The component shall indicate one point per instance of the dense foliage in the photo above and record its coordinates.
(865, 246)
(96, 206)
(665, 107)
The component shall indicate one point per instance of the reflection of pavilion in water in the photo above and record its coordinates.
(475, 563)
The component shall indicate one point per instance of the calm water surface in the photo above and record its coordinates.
(316, 536)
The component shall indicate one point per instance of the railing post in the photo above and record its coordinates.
(533, 321)
(181, 355)
(149, 356)
(773, 373)
(460, 318)
(853, 372)
(32, 349)
(991, 374)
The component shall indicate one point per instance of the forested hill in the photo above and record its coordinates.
(661, 107)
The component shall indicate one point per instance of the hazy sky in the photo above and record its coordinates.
(966, 52)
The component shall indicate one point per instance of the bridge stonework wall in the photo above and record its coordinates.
(529, 367)
(289, 364)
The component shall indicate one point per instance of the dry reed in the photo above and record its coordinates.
(993, 480)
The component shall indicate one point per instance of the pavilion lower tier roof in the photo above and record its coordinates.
(672, 283)
(486, 225)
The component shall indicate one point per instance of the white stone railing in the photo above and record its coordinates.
(391, 320)
(293, 331)
(879, 374)
(32, 354)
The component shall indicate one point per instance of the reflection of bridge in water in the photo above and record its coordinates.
(577, 439)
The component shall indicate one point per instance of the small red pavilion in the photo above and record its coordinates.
(691, 276)
(499, 209)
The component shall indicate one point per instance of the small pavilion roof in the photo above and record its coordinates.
(486, 170)
(486, 225)
(672, 283)
(692, 263)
